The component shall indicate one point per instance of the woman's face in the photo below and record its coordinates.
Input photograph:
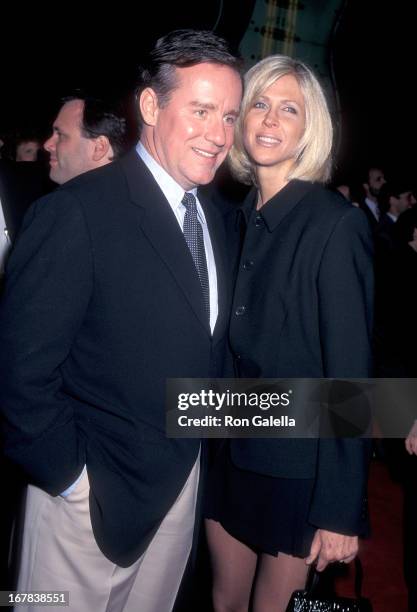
(275, 124)
(27, 151)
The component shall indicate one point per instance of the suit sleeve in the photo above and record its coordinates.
(345, 289)
(48, 287)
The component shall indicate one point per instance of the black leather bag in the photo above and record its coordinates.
(307, 601)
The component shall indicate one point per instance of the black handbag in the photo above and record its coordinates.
(307, 600)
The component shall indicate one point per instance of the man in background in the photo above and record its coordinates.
(86, 134)
(372, 184)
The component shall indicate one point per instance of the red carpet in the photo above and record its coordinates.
(381, 555)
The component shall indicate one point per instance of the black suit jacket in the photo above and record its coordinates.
(384, 234)
(20, 184)
(305, 285)
(372, 220)
(102, 305)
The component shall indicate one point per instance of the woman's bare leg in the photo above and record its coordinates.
(234, 566)
(276, 579)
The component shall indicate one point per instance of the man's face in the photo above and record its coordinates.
(191, 135)
(70, 152)
(376, 179)
(404, 201)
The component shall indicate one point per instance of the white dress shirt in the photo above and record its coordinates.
(4, 240)
(373, 207)
(174, 193)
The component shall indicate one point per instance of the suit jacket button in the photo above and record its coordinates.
(248, 264)
(240, 310)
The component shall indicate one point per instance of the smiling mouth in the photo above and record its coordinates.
(268, 140)
(205, 154)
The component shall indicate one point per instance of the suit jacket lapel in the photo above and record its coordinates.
(161, 228)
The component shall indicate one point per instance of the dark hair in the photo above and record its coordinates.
(100, 118)
(366, 170)
(181, 49)
(393, 188)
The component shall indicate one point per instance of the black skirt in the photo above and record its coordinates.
(270, 515)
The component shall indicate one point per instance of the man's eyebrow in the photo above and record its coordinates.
(210, 106)
(206, 105)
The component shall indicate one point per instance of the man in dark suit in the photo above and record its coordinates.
(391, 276)
(372, 184)
(118, 283)
(394, 198)
(87, 133)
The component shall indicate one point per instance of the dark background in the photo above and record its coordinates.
(48, 52)
(375, 64)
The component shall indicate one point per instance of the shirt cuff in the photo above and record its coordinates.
(74, 484)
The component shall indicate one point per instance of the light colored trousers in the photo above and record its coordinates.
(60, 554)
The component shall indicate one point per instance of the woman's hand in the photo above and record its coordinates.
(411, 440)
(328, 546)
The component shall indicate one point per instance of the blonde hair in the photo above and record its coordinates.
(314, 157)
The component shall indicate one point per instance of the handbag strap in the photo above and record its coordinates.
(313, 578)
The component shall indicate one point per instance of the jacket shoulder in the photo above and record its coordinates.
(328, 199)
(327, 204)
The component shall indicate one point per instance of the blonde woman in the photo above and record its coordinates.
(302, 308)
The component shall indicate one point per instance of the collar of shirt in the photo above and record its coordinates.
(4, 239)
(278, 207)
(2, 218)
(173, 192)
(373, 206)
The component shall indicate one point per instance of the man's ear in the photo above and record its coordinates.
(102, 148)
(148, 106)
